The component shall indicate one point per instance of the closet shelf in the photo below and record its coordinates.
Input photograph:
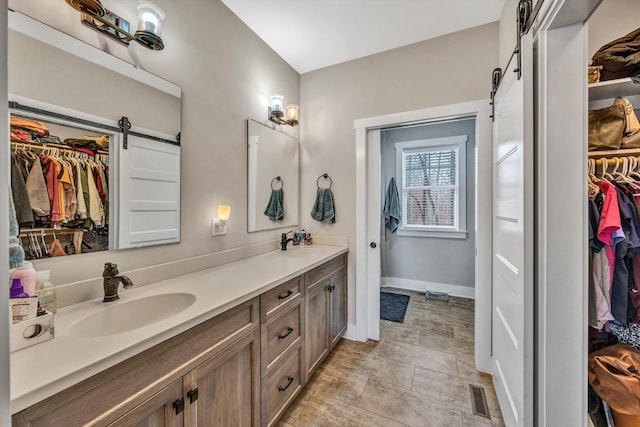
(27, 231)
(612, 88)
(615, 153)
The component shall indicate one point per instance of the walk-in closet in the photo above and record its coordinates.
(613, 168)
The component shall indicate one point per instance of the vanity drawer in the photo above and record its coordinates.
(272, 300)
(281, 386)
(280, 332)
(325, 269)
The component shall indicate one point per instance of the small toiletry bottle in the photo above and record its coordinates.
(45, 291)
(308, 242)
(27, 276)
(17, 290)
(296, 237)
(303, 236)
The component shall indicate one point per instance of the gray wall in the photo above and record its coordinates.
(612, 19)
(430, 259)
(446, 70)
(227, 74)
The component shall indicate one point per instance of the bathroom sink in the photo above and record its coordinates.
(125, 316)
(303, 252)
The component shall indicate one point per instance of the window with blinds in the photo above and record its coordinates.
(431, 175)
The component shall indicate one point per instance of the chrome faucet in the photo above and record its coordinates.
(284, 241)
(111, 281)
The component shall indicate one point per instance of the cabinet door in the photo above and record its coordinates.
(158, 411)
(316, 325)
(224, 390)
(337, 308)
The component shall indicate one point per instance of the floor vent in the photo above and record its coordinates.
(442, 296)
(479, 401)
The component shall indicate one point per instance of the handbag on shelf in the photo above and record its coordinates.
(631, 136)
(606, 128)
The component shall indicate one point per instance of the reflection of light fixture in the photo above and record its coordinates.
(278, 116)
(219, 224)
(97, 17)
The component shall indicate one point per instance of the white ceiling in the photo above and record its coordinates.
(312, 34)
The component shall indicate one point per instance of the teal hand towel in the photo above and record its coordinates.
(391, 211)
(324, 208)
(274, 209)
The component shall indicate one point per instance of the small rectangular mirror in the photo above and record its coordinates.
(273, 178)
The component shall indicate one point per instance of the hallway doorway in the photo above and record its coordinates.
(368, 184)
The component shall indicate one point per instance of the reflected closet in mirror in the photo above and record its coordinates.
(105, 136)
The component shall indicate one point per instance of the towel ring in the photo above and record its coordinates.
(325, 176)
(278, 179)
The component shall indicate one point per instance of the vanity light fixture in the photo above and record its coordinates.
(219, 224)
(104, 21)
(276, 114)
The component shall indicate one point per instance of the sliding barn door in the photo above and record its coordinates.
(513, 241)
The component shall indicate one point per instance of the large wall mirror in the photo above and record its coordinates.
(103, 136)
(273, 178)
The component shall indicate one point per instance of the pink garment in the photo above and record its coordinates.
(610, 227)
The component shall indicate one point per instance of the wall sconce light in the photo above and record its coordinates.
(98, 18)
(219, 224)
(278, 116)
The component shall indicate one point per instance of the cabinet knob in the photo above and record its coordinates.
(282, 335)
(179, 405)
(193, 395)
(283, 388)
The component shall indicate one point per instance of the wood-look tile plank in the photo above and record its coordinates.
(344, 385)
(409, 407)
(419, 356)
(322, 410)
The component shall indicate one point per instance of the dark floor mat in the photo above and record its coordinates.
(393, 306)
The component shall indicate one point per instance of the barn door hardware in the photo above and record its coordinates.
(496, 76)
(524, 12)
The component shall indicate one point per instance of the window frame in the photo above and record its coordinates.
(459, 143)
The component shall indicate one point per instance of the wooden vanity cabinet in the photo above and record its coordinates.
(241, 368)
(147, 388)
(157, 411)
(326, 310)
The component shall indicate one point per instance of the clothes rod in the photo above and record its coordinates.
(17, 106)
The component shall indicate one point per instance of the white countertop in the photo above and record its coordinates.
(44, 369)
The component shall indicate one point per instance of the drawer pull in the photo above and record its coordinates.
(193, 395)
(179, 405)
(286, 295)
(331, 288)
(281, 388)
(289, 330)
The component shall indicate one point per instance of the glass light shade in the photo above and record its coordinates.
(224, 212)
(150, 17)
(276, 102)
(292, 113)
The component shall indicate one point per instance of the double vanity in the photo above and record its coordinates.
(230, 345)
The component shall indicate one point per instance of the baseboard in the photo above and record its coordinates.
(351, 333)
(421, 286)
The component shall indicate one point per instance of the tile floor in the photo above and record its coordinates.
(418, 374)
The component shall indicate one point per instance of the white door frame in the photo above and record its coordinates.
(5, 397)
(561, 258)
(367, 284)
